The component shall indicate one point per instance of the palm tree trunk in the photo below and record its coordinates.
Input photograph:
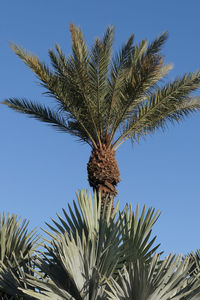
(103, 173)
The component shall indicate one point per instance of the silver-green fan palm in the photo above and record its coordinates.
(136, 233)
(17, 246)
(105, 100)
(158, 280)
(194, 258)
(86, 250)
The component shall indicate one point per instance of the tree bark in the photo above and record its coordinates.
(103, 173)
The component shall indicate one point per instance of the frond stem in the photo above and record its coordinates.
(121, 138)
(122, 141)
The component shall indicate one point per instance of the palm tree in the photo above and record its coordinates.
(94, 255)
(17, 247)
(165, 279)
(104, 100)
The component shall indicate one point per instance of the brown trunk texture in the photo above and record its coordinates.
(103, 173)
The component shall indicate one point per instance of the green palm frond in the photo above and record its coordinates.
(17, 247)
(49, 292)
(168, 104)
(83, 250)
(86, 248)
(136, 233)
(107, 98)
(79, 73)
(119, 69)
(158, 280)
(64, 89)
(98, 71)
(58, 60)
(48, 78)
(157, 44)
(32, 61)
(48, 115)
(79, 48)
(89, 224)
(140, 78)
(15, 239)
(13, 279)
(38, 111)
(84, 218)
(194, 258)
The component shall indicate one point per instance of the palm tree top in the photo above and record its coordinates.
(105, 99)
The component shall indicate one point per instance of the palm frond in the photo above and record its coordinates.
(13, 278)
(58, 60)
(116, 82)
(60, 120)
(17, 247)
(90, 223)
(109, 99)
(144, 71)
(80, 253)
(59, 88)
(79, 47)
(98, 72)
(49, 292)
(79, 71)
(170, 103)
(158, 280)
(85, 248)
(32, 61)
(136, 233)
(39, 112)
(15, 239)
(194, 258)
(157, 44)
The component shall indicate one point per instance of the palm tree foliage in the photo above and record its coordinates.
(87, 246)
(17, 247)
(195, 263)
(86, 256)
(15, 240)
(165, 280)
(105, 99)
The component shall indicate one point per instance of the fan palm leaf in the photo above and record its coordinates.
(12, 279)
(137, 232)
(87, 247)
(15, 239)
(17, 247)
(194, 258)
(158, 280)
(82, 251)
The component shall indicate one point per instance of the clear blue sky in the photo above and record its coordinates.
(41, 169)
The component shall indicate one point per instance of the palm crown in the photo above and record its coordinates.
(104, 100)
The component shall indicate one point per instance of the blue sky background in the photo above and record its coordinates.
(41, 169)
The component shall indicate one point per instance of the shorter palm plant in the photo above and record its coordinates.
(159, 279)
(17, 247)
(92, 254)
